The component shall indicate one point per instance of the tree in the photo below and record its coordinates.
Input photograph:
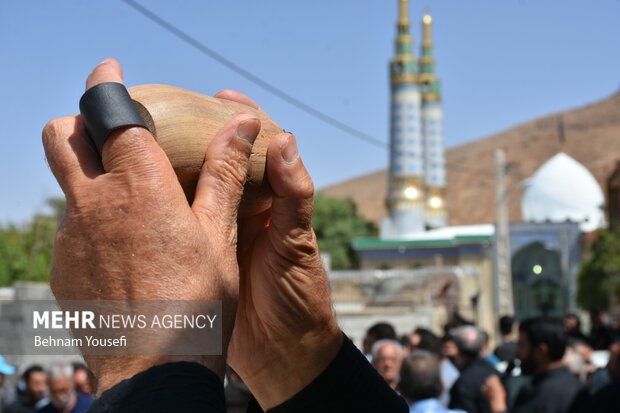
(599, 277)
(26, 250)
(336, 222)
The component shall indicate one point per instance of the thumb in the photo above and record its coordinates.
(223, 175)
(128, 149)
(293, 199)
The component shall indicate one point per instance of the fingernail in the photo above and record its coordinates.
(248, 130)
(289, 150)
(104, 61)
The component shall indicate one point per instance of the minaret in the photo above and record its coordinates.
(432, 117)
(406, 198)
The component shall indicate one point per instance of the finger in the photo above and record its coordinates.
(228, 94)
(220, 185)
(108, 70)
(292, 186)
(70, 155)
(128, 149)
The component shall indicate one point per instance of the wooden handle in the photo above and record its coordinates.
(184, 122)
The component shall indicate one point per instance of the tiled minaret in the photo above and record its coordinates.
(406, 197)
(432, 117)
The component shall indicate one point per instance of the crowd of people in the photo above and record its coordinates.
(542, 365)
(61, 388)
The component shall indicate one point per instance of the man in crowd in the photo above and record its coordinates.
(34, 392)
(63, 396)
(376, 332)
(424, 339)
(507, 350)
(607, 399)
(449, 348)
(572, 326)
(83, 379)
(542, 343)
(387, 357)
(486, 353)
(7, 393)
(420, 383)
(578, 359)
(600, 332)
(467, 393)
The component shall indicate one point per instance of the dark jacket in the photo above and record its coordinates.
(466, 393)
(553, 391)
(506, 351)
(348, 384)
(23, 404)
(607, 399)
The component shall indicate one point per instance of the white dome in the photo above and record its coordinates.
(562, 190)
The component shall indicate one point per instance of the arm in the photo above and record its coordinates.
(287, 345)
(349, 383)
(128, 233)
(173, 387)
(495, 394)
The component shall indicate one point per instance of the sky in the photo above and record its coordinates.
(501, 62)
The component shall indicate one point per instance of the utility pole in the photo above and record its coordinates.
(503, 277)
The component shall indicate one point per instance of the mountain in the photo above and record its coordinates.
(590, 134)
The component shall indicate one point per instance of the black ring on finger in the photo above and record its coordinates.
(106, 107)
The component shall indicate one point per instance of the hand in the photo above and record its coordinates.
(128, 232)
(495, 393)
(286, 333)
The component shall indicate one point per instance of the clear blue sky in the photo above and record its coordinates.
(501, 62)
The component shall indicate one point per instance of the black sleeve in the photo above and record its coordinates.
(462, 397)
(348, 384)
(174, 387)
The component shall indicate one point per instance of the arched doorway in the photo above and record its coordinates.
(537, 282)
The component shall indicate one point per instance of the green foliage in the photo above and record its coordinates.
(26, 250)
(599, 278)
(336, 223)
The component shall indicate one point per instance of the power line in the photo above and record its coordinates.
(255, 79)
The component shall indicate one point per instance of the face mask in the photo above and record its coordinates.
(61, 402)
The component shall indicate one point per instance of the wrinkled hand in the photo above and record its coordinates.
(285, 333)
(128, 232)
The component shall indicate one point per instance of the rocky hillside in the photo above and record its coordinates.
(590, 134)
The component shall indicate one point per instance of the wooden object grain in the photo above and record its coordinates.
(184, 122)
